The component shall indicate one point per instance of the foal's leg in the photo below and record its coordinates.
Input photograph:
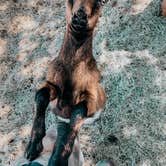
(63, 131)
(42, 98)
(66, 136)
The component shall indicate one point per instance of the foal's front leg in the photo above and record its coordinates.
(42, 99)
(38, 130)
(66, 136)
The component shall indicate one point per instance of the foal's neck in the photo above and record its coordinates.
(73, 47)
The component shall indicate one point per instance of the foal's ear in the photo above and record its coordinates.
(70, 3)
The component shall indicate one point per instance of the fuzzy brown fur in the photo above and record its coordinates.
(73, 76)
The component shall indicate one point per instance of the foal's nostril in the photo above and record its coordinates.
(81, 13)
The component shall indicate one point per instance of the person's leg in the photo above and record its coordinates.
(76, 158)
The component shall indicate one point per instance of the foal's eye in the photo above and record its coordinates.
(102, 2)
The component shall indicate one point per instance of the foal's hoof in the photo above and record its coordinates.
(105, 163)
(33, 150)
(33, 164)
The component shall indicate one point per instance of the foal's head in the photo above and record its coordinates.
(82, 15)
